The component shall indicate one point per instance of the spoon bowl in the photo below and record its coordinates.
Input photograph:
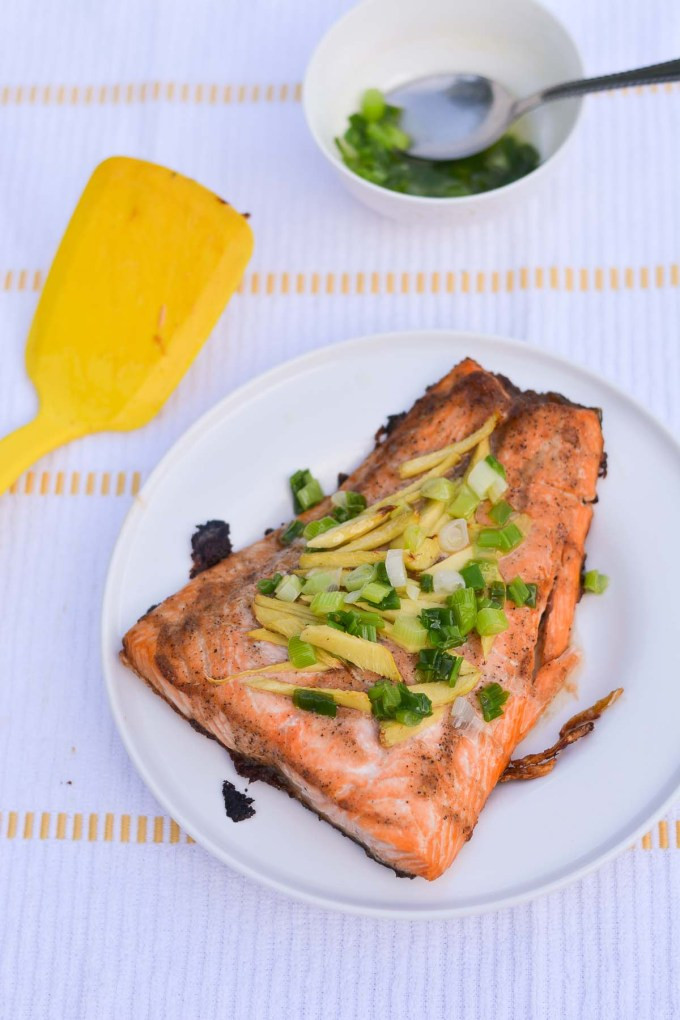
(449, 116)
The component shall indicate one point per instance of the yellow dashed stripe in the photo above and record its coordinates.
(77, 483)
(95, 827)
(463, 281)
(92, 827)
(211, 93)
(567, 279)
(198, 93)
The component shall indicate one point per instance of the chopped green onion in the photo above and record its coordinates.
(379, 592)
(374, 592)
(396, 701)
(446, 637)
(481, 478)
(490, 571)
(438, 488)
(321, 580)
(472, 575)
(291, 532)
(351, 624)
(365, 631)
(357, 622)
(381, 574)
(506, 539)
(464, 503)
(453, 536)
(267, 586)
(387, 135)
(327, 602)
(367, 617)
(373, 146)
(315, 528)
(391, 601)
(497, 593)
(385, 699)
(511, 537)
(437, 617)
(595, 582)
(489, 538)
(407, 717)
(442, 629)
(491, 700)
(426, 582)
(409, 632)
(436, 665)
(373, 104)
(491, 620)
(306, 489)
(298, 480)
(309, 495)
(301, 653)
(347, 505)
(500, 513)
(288, 588)
(533, 593)
(395, 569)
(315, 701)
(455, 672)
(496, 490)
(464, 605)
(496, 465)
(413, 538)
(360, 576)
(518, 591)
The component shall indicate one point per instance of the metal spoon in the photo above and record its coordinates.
(448, 116)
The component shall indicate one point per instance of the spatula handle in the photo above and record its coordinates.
(23, 447)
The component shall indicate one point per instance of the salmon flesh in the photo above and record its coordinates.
(414, 804)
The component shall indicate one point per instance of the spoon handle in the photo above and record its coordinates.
(655, 73)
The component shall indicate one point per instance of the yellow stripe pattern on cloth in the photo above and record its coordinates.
(126, 93)
(202, 93)
(93, 827)
(77, 483)
(97, 827)
(567, 279)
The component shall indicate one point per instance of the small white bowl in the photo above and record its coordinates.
(384, 43)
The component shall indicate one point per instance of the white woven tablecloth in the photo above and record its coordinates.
(106, 909)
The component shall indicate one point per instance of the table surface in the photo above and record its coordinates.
(108, 909)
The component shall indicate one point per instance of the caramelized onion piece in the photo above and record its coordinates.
(532, 766)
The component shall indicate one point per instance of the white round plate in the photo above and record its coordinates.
(321, 411)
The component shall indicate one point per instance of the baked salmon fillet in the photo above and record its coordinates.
(454, 570)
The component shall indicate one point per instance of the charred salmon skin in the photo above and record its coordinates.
(388, 671)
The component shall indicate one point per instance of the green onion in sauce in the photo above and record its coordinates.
(372, 147)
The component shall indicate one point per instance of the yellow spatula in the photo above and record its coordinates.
(147, 263)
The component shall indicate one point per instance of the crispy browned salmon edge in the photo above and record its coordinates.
(254, 771)
(250, 768)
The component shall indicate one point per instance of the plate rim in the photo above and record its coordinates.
(229, 403)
